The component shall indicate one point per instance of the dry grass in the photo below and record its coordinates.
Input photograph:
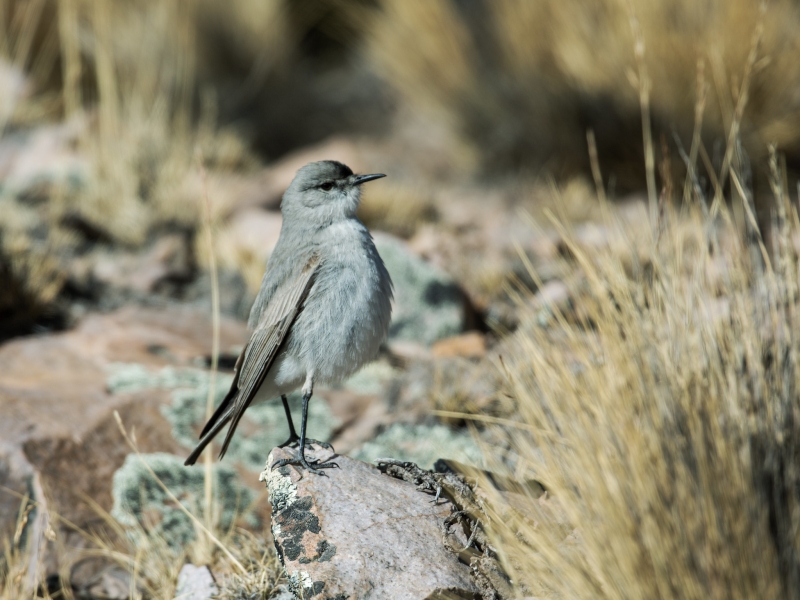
(664, 421)
(123, 79)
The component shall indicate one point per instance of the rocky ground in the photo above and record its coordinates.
(133, 334)
(130, 345)
(552, 326)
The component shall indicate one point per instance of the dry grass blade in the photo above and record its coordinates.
(215, 324)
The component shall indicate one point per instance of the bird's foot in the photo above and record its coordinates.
(294, 442)
(312, 466)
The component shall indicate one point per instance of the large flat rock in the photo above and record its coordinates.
(360, 534)
(58, 438)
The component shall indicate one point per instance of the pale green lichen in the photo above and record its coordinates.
(299, 579)
(141, 503)
(371, 379)
(428, 304)
(281, 488)
(133, 377)
(263, 425)
(421, 444)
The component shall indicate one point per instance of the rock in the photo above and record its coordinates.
(428, 304)
(195, 583)
(371, 379)
(15, 86)
(283, 593)
(57, 423)
(421, 444)
(359, 534)
(406, 352)
(468, 345)
(112, 583)
(168, 258)
(552, 293)
(142, 504)
(552, 297)
(359, 404)
(451, 384)
(44, 156)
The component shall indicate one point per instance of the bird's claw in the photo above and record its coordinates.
(313, 466)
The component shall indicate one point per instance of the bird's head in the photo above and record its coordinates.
(324, 191)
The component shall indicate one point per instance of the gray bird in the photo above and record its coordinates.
(323, 309)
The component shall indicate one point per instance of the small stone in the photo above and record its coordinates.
(356, 533)
(468, 345)
(112, 584)
(195, 583)
(168, 258)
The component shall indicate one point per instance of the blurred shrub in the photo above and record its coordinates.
(523, 81)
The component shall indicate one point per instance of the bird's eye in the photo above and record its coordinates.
(327, 186)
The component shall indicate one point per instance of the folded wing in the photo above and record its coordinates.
(258, 356)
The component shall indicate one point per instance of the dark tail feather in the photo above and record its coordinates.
(208, 434)
(236, 414)
(223, 407)
(229, 437)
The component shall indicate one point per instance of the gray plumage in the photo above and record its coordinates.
(324, 306)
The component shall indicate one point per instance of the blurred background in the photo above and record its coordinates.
(108, 108)
(145, 146)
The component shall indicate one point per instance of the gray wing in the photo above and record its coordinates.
(282, 267)
(269, 333)
(259, 354)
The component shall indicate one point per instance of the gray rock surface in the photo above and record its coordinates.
(359, 534)
(428, 304)
(195, 583)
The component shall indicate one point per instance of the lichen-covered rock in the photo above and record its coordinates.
(428, 305)
(263, 425)
(359, 534)
(140, 502)
(421, 444)
(57, 427)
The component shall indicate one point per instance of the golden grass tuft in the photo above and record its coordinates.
(663, 422)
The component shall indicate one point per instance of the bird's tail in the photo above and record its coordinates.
(208, 435)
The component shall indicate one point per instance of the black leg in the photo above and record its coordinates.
(292, 432)
(294, 439)
(315, 466)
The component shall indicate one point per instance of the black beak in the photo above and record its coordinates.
(359, 179)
